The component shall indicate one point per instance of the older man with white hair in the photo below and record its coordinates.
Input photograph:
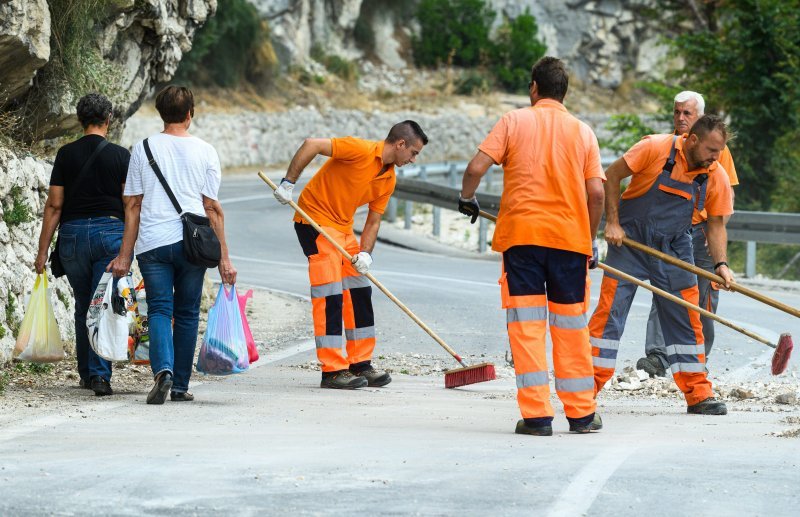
(689, 106)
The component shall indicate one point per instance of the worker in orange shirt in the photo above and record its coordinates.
(550, 209)
(689, 106)
(672, 176)
(358, 172)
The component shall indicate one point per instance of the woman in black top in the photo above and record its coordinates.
(85, 198)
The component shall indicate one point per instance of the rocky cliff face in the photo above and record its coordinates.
(601, 39)
(139, 44)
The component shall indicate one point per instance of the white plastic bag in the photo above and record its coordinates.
(108, 330)
(39, 340)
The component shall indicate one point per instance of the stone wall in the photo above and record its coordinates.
(18, 244)
(259, 139)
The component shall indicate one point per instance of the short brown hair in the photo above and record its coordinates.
(174, 102)
(407, 130)
(707, 124)
(550, 76)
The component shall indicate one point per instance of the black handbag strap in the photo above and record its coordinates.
(157, 170)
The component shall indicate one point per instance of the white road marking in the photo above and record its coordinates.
(580, 494)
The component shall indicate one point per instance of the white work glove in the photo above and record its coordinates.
(284, 191)
(362, 261)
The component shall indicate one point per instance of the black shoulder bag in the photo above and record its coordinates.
(200, 244)
(56, 267)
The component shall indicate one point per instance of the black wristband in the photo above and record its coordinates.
(718, 264)
(287, 180)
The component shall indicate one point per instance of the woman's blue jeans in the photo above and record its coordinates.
(86, 247)
(173, 287)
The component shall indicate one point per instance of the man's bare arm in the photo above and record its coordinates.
(595, 197)
(308, 151)
(618, 171)
(369, 234)
(476, 169)
(717, 237)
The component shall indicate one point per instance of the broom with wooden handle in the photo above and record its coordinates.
(710, 276)
(783, 350)
(452, 378)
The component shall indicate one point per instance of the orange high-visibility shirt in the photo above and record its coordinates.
(346, 181)
(647, 157)
(547, 156)
(726, 160)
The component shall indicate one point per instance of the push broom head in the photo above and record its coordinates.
(780, 359)
(470, 375)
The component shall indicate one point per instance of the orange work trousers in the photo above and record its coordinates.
(542, 285)
(338, 294)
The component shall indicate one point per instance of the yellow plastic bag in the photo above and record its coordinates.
(39, 340)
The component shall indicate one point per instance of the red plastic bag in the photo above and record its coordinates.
(252, 351)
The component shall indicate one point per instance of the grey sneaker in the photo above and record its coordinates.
(542, 430)
(709, 406)
(343, 380)
(652, 366)
(375, 379)
(595, 425)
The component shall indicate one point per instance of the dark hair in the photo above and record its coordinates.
(551, 78)
(93, 109)
(708, 123)
(174, 102)
(407, 130)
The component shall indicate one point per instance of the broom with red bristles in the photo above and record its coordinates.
(452, 378)
(783, 350)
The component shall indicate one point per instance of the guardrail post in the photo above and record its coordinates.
(437, 221)
(391, 210)
(489, 178)
(451, 175)
(750, 260)
(408, 209)
(423, 173)
(482, 227)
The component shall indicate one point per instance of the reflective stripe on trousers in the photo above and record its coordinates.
(341, 300)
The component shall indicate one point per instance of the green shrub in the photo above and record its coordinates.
(515, 50)
(19, 212)
(75, 59)
(3, 382)
(627, 129)
(2, 331)
(224, 48)
(11, 319)
(452, 31)
(471, 82)
(337, 65)
(363, 34)
(34, 368)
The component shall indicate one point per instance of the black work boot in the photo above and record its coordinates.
(374, 377)
(101, 387)
(709, 406)
(342, 380)
(158, 393)
(595, 425)
(539, 430)
(652, 365)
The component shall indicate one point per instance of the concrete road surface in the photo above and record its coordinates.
(271, 442)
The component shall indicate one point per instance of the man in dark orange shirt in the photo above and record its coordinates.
(358, 172)
(672, 177)
(550, 209)
(688, 107)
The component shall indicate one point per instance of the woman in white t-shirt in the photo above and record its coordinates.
(191, 169)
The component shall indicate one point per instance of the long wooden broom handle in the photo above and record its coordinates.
(372, 279)
(710, 276)
(684, 303)
(668, 296)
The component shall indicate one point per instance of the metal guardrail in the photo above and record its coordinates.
(413, 186)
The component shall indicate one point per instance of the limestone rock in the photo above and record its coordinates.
(786, 398)
(24, 45)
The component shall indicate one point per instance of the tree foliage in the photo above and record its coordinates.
(744, 56)
(515, 50)
(452, 31)
(225, 48)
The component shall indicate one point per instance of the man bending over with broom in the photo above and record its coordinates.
(358, 172)
(550, 209)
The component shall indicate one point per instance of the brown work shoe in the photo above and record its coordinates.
(652, 365)
(343, 380)
(595, 425)
(709, 406)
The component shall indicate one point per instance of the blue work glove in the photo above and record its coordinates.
(595, 259)
(469, 207)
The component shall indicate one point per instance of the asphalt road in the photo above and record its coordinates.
(271, 442)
